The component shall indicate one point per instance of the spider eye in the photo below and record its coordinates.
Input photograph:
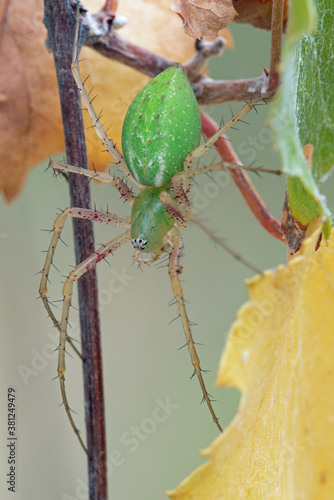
(139, 243)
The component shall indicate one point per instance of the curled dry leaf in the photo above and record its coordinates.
(30, 120)
(30, 123)
(257, 12)
(280, 355)
(204, 17)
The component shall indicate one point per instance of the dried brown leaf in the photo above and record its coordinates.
(257, 12)
(30, 123)
(30, 119)
(204, 17)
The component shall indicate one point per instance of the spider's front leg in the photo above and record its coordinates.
(173, 246)
(81, 269)
(95, 215)
(101, 253)
(174, 270)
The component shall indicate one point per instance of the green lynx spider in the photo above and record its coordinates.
(173, 212)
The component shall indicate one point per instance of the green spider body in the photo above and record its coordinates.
(162, 126)
(160, 139)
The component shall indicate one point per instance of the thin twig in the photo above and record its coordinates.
(60, 23)
(105, 40)
(207, 91)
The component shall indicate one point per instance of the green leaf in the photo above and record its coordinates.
(302, 19)
(304, 111)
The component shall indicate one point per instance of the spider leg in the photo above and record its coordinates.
(183, 178)
(203, 148)
(120, 185)
(81, 269)
(180, 177)
(175, 269)
(95, 215)
(186, 213)
(183, 186)
(100, 132)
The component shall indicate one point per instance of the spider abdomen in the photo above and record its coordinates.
(162, 126)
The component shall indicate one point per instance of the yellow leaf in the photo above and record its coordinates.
(280, 354)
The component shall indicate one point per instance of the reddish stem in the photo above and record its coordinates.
(242, 181)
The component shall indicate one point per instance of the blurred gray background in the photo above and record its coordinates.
(142, 364)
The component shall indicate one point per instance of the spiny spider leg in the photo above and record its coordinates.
(105, 139)
(180, 178)
(174, 270)
(203, 148)
(81, 269)
(122, 188)
(185, 212)
(95, 215)
(223, 165)
(120, 185)
(183, 186)
(174, 246)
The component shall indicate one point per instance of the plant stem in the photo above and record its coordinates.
(276, 44)
(60, 23)
(207, 91)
